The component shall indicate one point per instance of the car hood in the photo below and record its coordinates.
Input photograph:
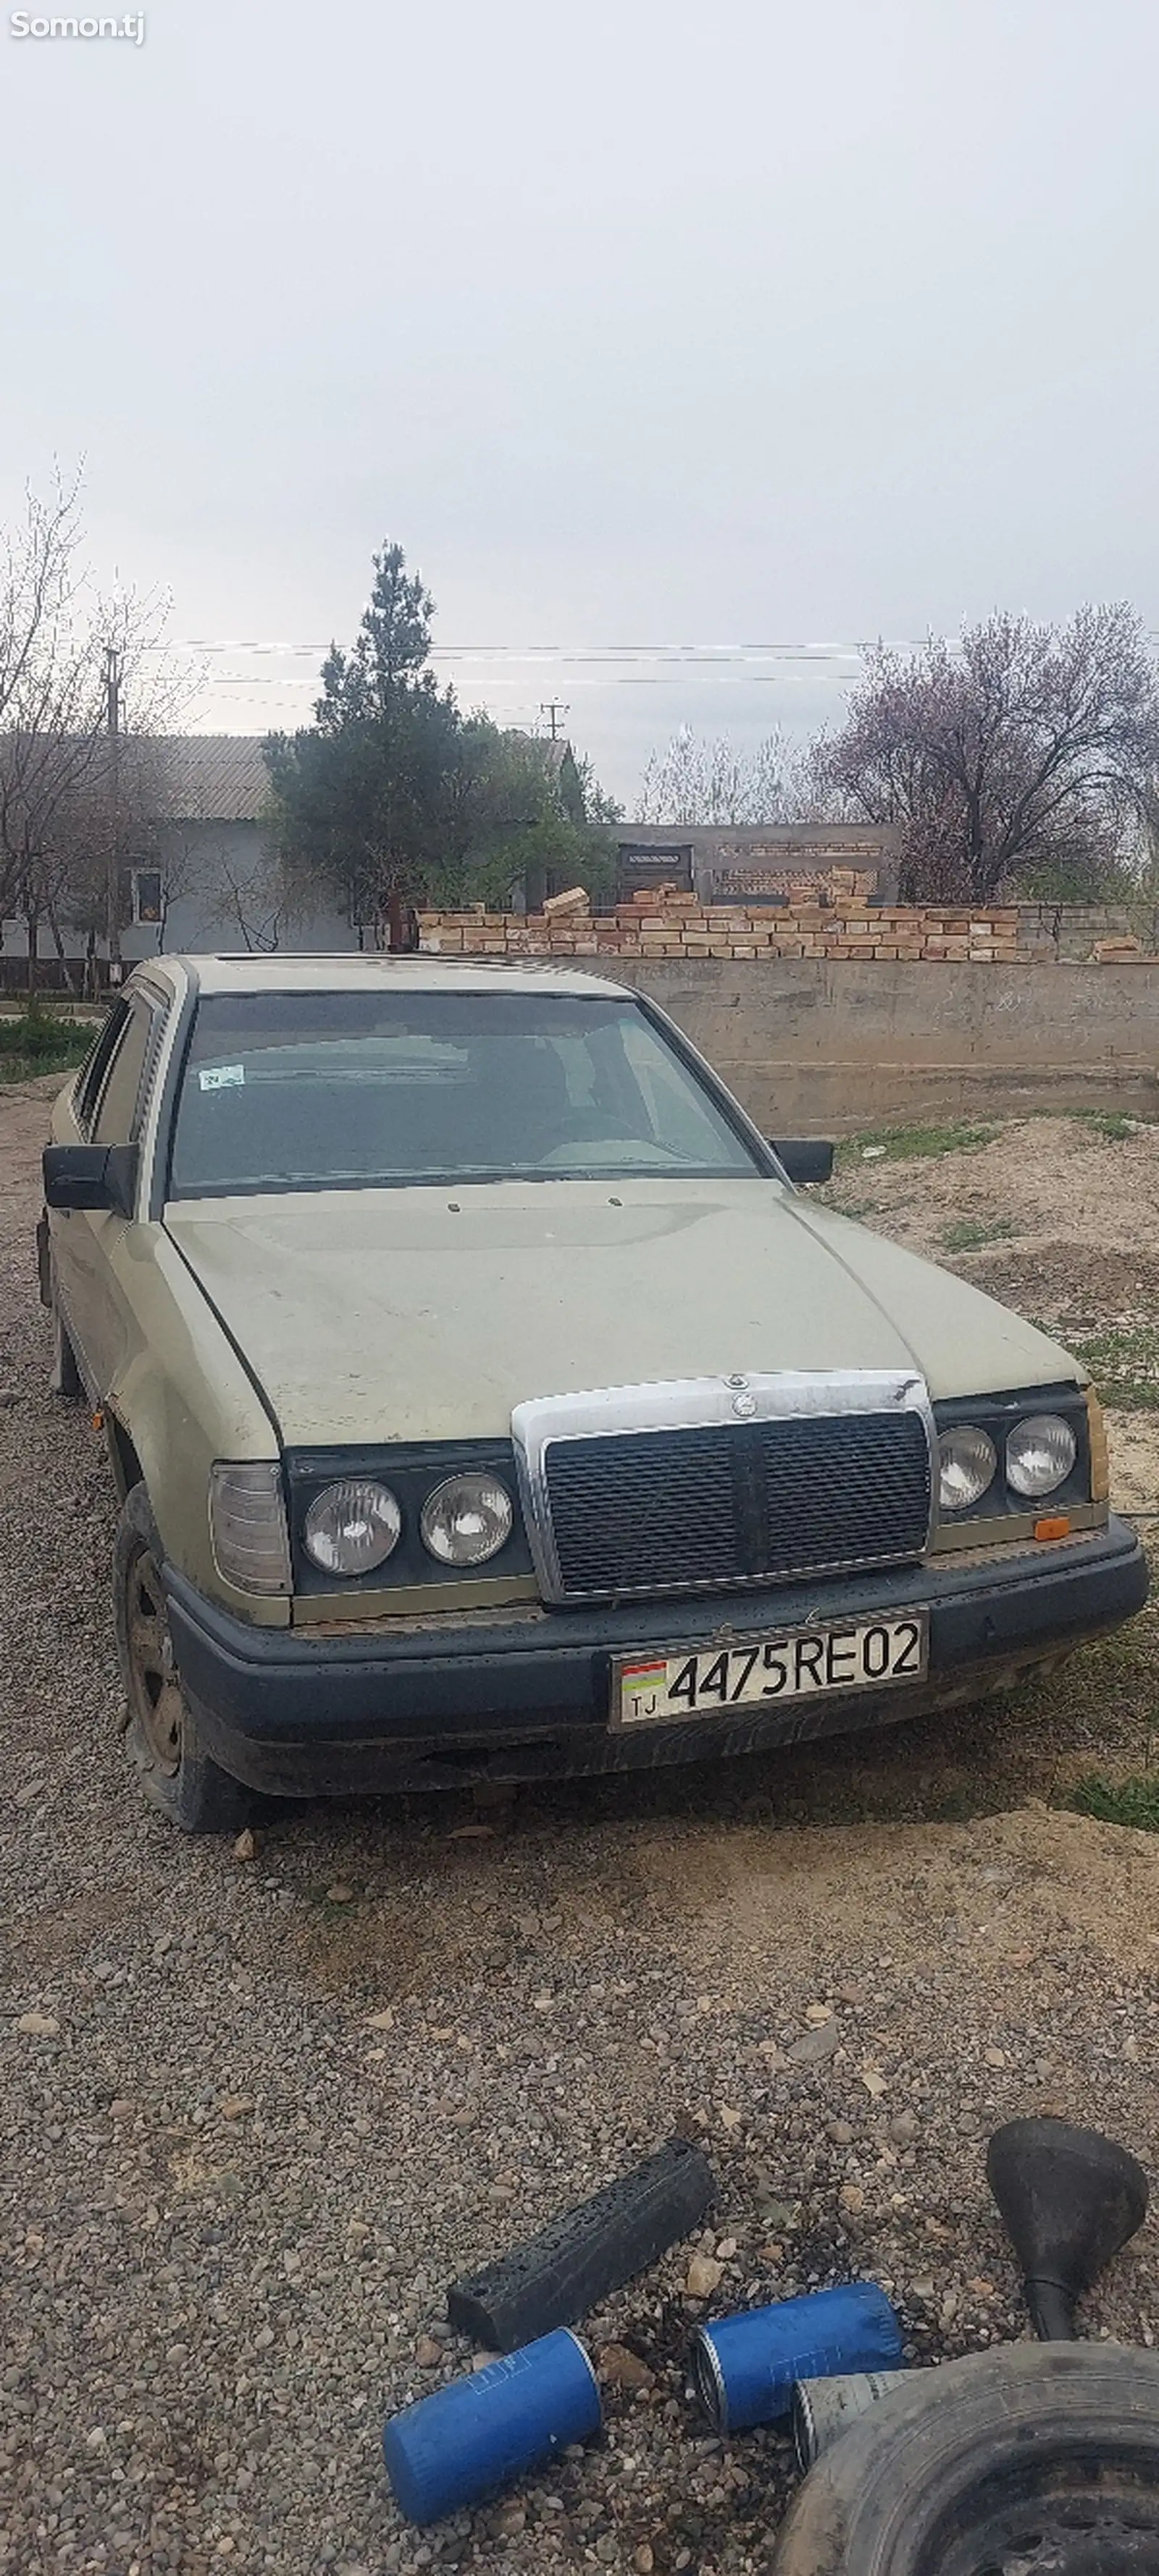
(426, 1314)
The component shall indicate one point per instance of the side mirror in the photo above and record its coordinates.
(91, 1176)
(803, 1157)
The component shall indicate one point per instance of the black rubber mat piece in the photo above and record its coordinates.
(557, 2276)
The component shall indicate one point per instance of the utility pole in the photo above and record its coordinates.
(552, 708)
(113, 868)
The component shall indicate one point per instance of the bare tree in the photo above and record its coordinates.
(80, 676)
(178, 861)
(257, 894)
(97, 841)
(51, 700)
(1021, 754)
(711, 781)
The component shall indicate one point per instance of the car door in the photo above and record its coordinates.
(110, 1109)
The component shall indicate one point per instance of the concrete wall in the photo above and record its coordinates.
(828, 1046)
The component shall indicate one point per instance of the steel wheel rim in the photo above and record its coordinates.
(154, 1686)
(1074, 2530)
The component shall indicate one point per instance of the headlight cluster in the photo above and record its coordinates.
(353, 1527)
(1038, 1457)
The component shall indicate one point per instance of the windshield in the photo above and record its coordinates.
(331, 1090)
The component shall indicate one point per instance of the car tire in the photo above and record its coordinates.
(1035, 2454)
(66, 1377)
(161, 1734)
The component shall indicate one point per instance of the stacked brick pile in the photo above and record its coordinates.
(663, 923)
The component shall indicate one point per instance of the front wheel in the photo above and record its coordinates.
(161, 1735)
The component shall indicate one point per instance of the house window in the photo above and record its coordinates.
(147, 894)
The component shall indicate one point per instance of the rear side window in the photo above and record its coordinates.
(95, 1066)
(115, 1121)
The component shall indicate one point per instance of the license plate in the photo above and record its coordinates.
(800, 1663)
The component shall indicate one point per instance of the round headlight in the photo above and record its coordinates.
(467, 1520)
(352, 1527)
(1039, 1455)
(967, 1463)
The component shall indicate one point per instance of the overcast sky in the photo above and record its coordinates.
(741, 325)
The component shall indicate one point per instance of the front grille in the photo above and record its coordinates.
(688, 1511)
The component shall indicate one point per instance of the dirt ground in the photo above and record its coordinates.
(1059, 1218)
(257, 2113)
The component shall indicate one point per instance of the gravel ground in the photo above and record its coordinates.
(258, 2112)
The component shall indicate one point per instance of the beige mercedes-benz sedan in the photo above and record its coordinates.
(486, 1400)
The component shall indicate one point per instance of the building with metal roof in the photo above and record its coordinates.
(214, 777)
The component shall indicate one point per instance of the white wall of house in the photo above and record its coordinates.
(221, 893)
(224, 892)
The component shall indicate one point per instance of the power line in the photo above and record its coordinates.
(622, 680)
(802, 650)
(578, 653)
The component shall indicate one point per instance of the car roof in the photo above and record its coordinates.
(368, 974)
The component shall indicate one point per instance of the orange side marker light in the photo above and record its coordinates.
(1058, 1527)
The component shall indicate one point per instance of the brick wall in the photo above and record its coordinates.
(666, 924)
(662, 922)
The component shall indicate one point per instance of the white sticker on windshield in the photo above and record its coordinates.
(216, 1077)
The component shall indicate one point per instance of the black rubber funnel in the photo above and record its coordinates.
(1070, 2198)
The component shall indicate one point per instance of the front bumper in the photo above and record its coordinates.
(526, 1696)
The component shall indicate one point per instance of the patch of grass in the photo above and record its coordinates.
(37, 1040)
(1124, 1363)
(858, 1209)
(913, 1144)
(972, 1232)
(1119, 1802)
(1112, 1124)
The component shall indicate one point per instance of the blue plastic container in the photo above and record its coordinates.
(484, 2430)
(744, 2368)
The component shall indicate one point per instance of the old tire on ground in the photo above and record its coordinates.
(161, 1737)
(1039, 2460)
